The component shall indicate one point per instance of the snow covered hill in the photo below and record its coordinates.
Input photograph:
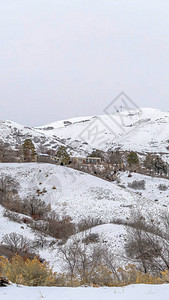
(77, 194)
(82, 196)
(144, 130)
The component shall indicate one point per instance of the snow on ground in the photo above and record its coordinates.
(111, 236)
(143, 130)
(151, 191)
(7, 226)
(80, 196)
(132, 292)
(75, 193)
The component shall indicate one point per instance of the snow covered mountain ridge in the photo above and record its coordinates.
(144, 130)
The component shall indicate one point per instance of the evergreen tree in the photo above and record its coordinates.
(29, 152)
(133, 158)
(96, 153)
(62, 153)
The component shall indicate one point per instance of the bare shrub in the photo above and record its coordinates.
(32, 206)
(137, 185)
(17, 243)
(40, 241)
(35, 208)
(148, 242)
(40, 225)
(12, 216)
(88, 223)
(13, 203)
(60, 229)
(54, 226)
(91, 238)
(86, 263)
(162, 187)
(7, 185)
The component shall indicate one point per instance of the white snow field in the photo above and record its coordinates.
(132, 292)
(151, 190)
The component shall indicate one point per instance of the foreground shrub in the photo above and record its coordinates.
(34, 273)
(27, 272)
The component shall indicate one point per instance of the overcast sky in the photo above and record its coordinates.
(62, 58)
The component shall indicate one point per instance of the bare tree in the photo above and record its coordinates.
(148, 242)
(69, 253)
(7, 185)
(84, 260)
(17, 243)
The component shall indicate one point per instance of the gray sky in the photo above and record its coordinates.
(62, 58)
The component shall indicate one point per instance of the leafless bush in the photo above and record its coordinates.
(35, 208)
(162, 187)
(8, 185)
(137, 185)
(12, 216)
(148, 242)
(91, 238)
(88, 223)
(17, 243)
(54, 226)
(32, 206)
(40, 225)
(60, 229)
(13, 203)
(40, 241)
(84, 262)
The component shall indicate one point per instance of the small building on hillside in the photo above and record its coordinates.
(93, 160)
(57, 160)
(76, 160)
(85, 160)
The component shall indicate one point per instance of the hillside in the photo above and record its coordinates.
(143, 131)
(82, 197)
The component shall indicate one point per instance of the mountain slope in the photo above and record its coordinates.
(144, 130)
(82, 197)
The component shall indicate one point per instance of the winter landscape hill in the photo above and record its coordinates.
(56, 209)
(145, 131)
(82, 197)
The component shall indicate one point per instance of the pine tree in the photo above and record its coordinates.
(29, 151)
(133, 158)
(62, 153)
